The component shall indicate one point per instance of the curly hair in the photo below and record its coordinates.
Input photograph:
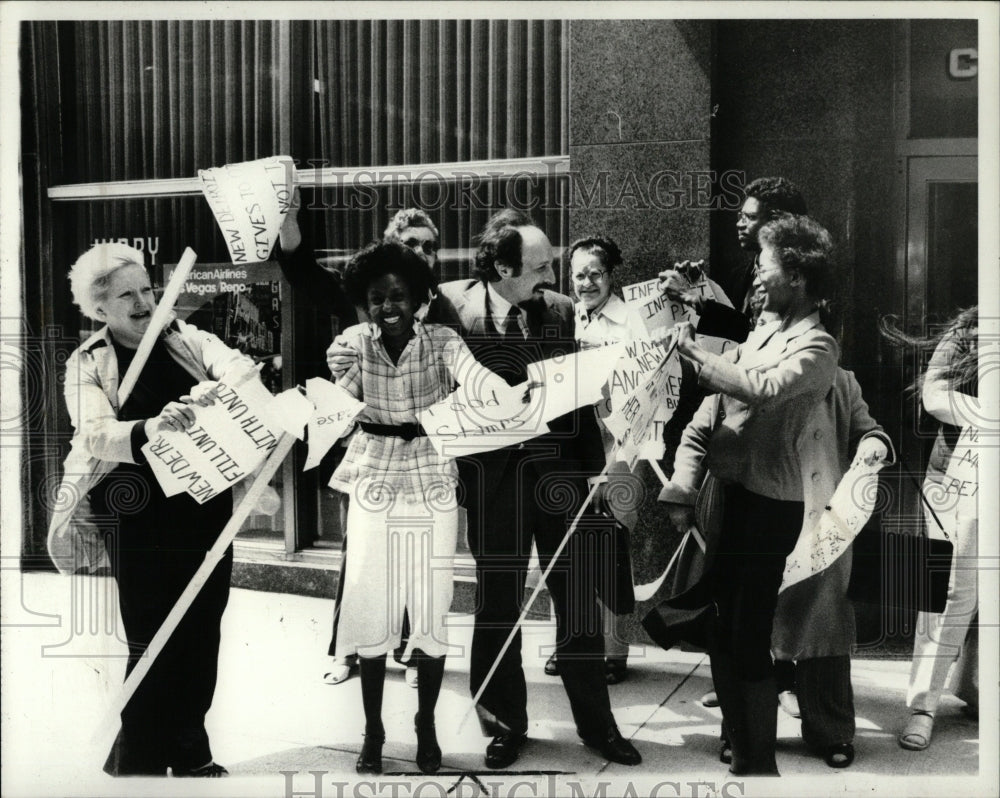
(90, 275)
(604, 247)
(802, 244)
(387, 257)
(777, 195)
(500, 241)
(409, 217)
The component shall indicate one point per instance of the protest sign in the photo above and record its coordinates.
(292, 411)
(640, 360)
(659, 313)
(336, 409)
(847, 512)
(472, 419)
(228, 440)
(249, 201)
(575, 380)
(961, 478)
(631, 420)
(480, 417)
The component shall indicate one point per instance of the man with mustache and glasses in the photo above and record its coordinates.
(510, 317)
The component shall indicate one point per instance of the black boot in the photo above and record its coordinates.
(430, 674)
(372, 684)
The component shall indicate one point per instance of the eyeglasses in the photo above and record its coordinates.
(595, 276)
(429, 247)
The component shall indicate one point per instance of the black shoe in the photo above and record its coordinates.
(370, 758)
(428, 750)
(209, 771)
(725, 751)
(613, 747)
(552, 665)
(839, 756)
(503, 750)
(615, 671)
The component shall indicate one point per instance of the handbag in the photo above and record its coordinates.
(613, 551)
(899, 569)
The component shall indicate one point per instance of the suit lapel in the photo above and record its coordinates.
(473, 312)
(754, 356)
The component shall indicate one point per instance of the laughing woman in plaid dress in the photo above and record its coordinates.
(403, 516)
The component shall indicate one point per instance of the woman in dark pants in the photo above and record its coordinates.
(155, 543)
(767, 388)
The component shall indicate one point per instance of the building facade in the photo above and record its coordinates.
(643, 129)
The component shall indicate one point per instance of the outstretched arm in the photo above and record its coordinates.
(295, 256)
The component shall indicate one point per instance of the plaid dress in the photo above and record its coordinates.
(402, 521)
(430, 365)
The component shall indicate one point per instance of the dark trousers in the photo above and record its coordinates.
(163, 725)
(758, 533)
(826, 699)
(521, 507)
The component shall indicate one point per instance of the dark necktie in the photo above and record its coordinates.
(513, 327)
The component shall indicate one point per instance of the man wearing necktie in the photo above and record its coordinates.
(510, 317)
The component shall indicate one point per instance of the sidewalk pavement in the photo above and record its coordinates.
(282, 732)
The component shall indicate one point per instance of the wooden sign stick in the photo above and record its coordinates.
(156, 324)
(531, 599)
(212, 557)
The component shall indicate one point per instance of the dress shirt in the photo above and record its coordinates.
(499, 308)
(614, 321)
(431, 362)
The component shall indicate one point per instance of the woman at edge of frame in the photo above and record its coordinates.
(157, 542)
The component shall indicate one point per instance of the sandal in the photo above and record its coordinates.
(340, 671)
(789, 702)
(840, 755)
(412, 678)
(916, 735)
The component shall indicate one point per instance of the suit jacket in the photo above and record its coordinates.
(573, 444)
(769, 385)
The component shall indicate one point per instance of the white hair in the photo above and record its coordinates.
(90, 275)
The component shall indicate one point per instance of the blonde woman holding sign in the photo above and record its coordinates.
(154, 543)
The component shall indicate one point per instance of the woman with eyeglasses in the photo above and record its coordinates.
(748, 436)
(602, 317)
